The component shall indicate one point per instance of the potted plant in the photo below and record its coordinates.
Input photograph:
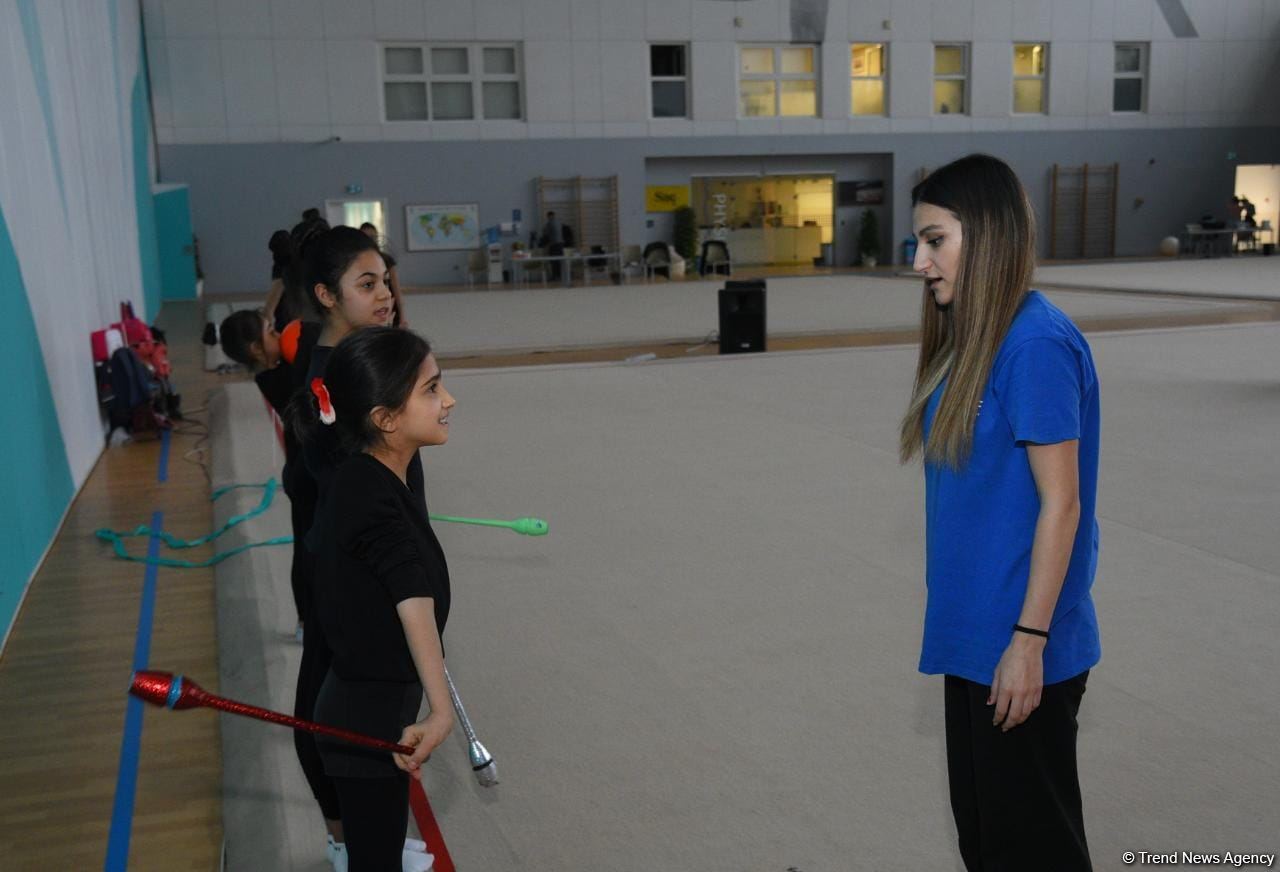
(685, 235)
(869, 238)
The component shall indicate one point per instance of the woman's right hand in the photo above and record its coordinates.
(424, 737)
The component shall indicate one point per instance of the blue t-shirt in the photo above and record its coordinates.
(980, 522)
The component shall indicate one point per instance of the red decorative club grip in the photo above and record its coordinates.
(175, 692)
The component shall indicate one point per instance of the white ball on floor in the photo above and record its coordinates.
(1169, 246)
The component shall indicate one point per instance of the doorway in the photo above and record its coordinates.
(767, 220)
(1260, 185)
(353, 213)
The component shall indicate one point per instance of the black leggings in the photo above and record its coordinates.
(316, 658)
(375, 817)
(1016, 795)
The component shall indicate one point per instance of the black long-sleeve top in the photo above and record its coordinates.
(380, 550)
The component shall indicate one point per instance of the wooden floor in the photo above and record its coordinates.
(66, 667)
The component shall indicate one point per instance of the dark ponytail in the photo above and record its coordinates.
(374, 366)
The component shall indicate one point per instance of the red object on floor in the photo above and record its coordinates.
(429, 828)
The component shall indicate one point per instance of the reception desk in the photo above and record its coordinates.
(765, 245)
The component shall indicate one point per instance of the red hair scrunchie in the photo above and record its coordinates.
(327, 415)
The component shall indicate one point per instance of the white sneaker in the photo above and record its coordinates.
(416, 861)
(337, 853)
(415, 845)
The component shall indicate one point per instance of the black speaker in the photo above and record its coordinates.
(742, 317)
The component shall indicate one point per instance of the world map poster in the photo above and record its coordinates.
(440, 228)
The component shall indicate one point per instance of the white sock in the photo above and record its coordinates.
(414, 861)
(415, 845)
(337, 854)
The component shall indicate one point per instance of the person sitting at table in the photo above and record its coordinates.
(1245, 214)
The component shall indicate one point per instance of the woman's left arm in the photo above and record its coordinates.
(1019, 677)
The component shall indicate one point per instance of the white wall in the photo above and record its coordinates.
(305, 70)
(71, 136)
(67, 191)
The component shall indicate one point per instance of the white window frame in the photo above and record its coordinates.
(475, 75)
(778, 77)
(882, 78)
(962, 76)
(686, 79)
(1144, 56)
(1042, 78)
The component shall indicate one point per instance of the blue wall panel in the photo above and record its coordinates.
(174, 242)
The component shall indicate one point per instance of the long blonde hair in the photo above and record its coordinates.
(958, 342)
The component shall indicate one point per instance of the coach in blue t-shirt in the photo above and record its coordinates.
(1005, 411)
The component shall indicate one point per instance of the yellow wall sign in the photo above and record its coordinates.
(665, 198)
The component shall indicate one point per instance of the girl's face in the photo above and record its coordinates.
(424, 418)
(365, 299)
(938, 250)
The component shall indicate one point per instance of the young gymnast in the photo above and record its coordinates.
(1005, 410)
(381, 583)
(250, 338)
(371, 230)
(346, 284)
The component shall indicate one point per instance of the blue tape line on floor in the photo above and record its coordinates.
(117, 858)
(163, 474)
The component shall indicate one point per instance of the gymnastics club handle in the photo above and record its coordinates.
(523, 526)
(175, 692)
(457, 705)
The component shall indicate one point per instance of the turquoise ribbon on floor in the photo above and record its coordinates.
(116, 538)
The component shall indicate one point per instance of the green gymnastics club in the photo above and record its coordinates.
(523, 526)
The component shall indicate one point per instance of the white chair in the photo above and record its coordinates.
(539, 268)
(478, 265)
(657, 258)
(715, 258)
(632, 263)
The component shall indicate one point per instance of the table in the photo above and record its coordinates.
(520, 264)
(1212, 234)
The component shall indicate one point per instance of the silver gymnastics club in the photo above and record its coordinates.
(481, 760)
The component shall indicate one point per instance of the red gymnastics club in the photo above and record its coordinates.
(175, 692)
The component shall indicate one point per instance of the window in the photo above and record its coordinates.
(1131, 71)
(450, 82)
(669, 81)
(1030, 60)
(950, 74)
(867, 78)
(777, 80)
